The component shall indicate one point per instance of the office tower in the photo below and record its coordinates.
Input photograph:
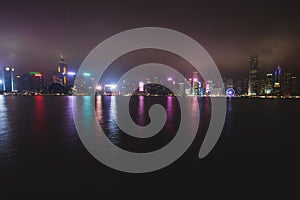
(269, 84)
(36, 81)
(195, 84)
(277, 77)
(8, 83)
(228, 83)
(60, 76)
(277, 89)
(289, 86)
(241, 86)
(22, 83)
(294, 85)
(71, 79)
(196, 87)
(253, 88)
(208, 87)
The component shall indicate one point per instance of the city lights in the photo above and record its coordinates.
(111, 86)
(71, 73)
(86, 74)
(230, 92)
(141, 86)
(99, 87)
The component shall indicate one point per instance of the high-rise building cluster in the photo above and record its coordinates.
(278, 83)
(34, 81)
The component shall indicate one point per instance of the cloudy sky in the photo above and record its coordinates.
(33, 33)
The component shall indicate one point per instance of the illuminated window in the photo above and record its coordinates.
(58, 69)
(65, 70)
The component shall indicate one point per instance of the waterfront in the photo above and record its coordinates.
(41, 151)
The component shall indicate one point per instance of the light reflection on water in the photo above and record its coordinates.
(7, 150)
(39, 142)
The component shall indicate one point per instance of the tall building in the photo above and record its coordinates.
(286, 83)
(22, 83)
(71, 79)
(253, 88)
(8, 82)
(228, 83)
(208, 86)
(36, 81)
(241, 86)
(269, 84)
(289, 85)
(277, 89)
(195, 84)
(60, 76)
(277, 77)
(294, 85)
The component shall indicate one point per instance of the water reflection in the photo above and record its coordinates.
(6, 138)
(141, 111)
(40, 114)
(3, 116)
(106, 112)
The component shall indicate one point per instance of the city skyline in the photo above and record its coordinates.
(281, 82)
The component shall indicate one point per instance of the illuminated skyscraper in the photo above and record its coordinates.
(195, 84)
(60, 76)
(269, 83)
(8, 84)
(277, 77)
(253, 84)
(208, 87)
(277, 80)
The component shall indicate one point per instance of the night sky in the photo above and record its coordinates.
(34, 34)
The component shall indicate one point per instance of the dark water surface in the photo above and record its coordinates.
(258, 150)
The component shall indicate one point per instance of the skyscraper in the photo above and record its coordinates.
(8, 83)
(22, 83)
(36, 81)
(294, 85)
(253, 88)
(277, 80)
(269, 84)
(195, 84)
(60, 76)
(289, 85)
(277, 77)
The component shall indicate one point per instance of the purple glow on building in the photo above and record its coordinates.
(71, 73)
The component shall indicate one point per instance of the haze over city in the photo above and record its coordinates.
(34, 33)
